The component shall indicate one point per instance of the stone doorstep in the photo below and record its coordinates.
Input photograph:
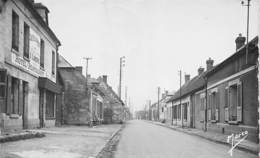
(20, 136)
(218, 138)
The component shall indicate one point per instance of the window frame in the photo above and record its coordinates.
(15, 31)
(26, 41)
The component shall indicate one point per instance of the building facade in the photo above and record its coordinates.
(28, 50)
(230, 99)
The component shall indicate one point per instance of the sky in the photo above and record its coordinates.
(157, 37)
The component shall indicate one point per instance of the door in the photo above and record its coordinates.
(41, 109)
(25, 90)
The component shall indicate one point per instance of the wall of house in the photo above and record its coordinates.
(76, 104)
(249, 101)
(17, 66)
(181, 121)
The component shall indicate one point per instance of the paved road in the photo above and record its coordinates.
(145, 140)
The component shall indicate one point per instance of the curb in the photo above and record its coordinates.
(210, 139)
(21, 136)
(109, 140)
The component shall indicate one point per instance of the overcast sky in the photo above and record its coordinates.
(157, 37)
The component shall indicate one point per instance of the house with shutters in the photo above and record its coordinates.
(28, 50)
(230, 97)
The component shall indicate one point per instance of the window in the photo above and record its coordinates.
(26, 41)
(233, 99)
(50, 105)
(53, 62)
(42, 53)
(233, 103)
(15, 31)
(179, 112)
(185, 111)
(213, 101)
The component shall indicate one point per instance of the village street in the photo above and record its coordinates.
(141, 139)
(61, 142)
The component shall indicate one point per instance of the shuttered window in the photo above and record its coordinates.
(234, 102)
(15, 31)
(26, 40)
(42, 53)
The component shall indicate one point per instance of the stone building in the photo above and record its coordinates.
(28, 49)
(73, 103)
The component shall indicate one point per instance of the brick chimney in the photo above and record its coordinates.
(209, 63)
(240, 41)
(104, 78)
(187, 78)
(200, 70)
(43, 11)
(79, 69)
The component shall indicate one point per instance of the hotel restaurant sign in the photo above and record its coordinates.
(33, 64)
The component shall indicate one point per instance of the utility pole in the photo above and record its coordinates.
(122, 64)
(180, 102)
(247, 25)
(126, 96)
(87, 59)
(158, 108)
(88, 90)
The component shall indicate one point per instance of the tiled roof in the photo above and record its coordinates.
(239, 52)
(71, 75)
(194, 84)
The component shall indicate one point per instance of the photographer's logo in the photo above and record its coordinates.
(235, 139)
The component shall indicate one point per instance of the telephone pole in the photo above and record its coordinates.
(126, 96)
(247, 25)
(87, 59)
(180, 103)
(158, 108)
(122, 64)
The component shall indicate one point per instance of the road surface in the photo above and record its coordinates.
(141, 139)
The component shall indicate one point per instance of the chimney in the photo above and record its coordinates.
(104, 77)
(187, 78)
(209, 63)
(43, 11)
(79, 69)
(240, 41)
(200, 70)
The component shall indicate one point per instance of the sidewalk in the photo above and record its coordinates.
(65, 142)
(246, 145)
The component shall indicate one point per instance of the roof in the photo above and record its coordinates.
(70, 74)
(62, 62)
(39, 19)
(195, 84)
(239, 52)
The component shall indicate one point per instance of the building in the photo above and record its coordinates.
(28, 50)
(73, 107)
(114, 109)
(230, 99)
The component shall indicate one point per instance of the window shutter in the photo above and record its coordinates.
(216, 115)
(226, 97)
(209, 114)
(240, 102)
(8, 99)
(226, 114)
